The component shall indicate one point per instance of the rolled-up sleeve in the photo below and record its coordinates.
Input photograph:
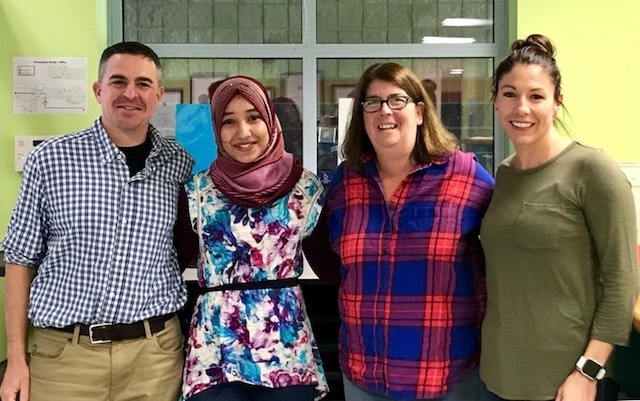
(25, 243)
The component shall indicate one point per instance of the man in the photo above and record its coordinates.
(89, 251)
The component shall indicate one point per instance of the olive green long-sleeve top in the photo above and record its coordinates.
(561, 258)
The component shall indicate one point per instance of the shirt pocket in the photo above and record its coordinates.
(444, 218)
(417, 219)
(537, 228)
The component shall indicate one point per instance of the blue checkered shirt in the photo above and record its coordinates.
(101, 241)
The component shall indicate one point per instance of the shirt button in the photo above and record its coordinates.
(112, 294)
(124, 221)
(118, 258)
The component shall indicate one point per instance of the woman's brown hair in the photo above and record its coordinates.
(537, 50)
(433, 140)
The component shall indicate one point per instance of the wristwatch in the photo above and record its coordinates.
(590, 368)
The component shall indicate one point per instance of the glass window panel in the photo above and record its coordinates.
(463, 101)
(403, 21)
(213, 21)
(462, 97)
(190, 78)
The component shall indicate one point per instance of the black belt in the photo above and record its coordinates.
(107, 332)
(253, 285)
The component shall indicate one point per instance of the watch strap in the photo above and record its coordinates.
(590, 368)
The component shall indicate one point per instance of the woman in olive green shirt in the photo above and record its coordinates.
(560, 244)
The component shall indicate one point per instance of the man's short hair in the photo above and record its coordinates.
(135, 48)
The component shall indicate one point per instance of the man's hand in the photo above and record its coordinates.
(15, 385)
(17, 284)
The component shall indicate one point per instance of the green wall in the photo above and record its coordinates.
(49, 28)
(597, 52)
(42, 28)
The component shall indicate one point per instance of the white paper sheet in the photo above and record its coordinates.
(50, 85)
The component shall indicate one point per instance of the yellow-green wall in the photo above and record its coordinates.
(50, 28)
(597, 52)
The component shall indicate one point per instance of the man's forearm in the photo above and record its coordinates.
(16, 299)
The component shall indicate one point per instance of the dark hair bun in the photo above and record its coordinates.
(429, 85)
(537, 42)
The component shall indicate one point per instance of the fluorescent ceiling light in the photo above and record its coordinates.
(440, 40)
(467, 22)
(455, 71)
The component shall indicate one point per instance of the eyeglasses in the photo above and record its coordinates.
(396, 102)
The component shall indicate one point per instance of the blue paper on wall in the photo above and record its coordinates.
(194, 131)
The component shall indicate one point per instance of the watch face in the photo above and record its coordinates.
(591, 368)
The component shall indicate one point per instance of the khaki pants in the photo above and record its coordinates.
(67, 367)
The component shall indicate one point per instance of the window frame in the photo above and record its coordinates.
(309, 52)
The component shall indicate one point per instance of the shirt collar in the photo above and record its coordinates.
(369, 165)
(109, 151)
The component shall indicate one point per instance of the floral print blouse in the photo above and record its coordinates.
(261, 337)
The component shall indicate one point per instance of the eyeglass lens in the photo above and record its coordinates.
(394, 103)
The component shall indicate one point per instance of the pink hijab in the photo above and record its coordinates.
(270, 176)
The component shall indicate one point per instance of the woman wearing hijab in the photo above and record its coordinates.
(250, 336)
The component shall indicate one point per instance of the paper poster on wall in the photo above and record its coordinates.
(195, 132)
(164, 120)
(50, 85)
(164, 117)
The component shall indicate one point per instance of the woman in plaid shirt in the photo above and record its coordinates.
(401, 221)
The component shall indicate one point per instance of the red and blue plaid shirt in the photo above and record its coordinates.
(412, 292)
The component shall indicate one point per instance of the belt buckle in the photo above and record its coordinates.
(93, 326)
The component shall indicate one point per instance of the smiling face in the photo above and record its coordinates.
(392, 132)
(244, 135)
(525, 104)
(129, 92)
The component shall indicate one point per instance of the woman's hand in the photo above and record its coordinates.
(577, 387)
